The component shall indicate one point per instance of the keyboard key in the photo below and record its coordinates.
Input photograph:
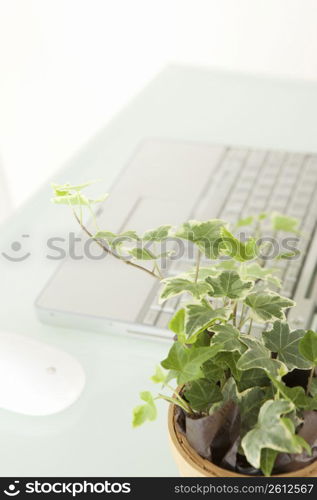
(275, 159)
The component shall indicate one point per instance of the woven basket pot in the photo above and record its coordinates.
(190, 464)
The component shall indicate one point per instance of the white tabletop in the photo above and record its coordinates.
(94, 436)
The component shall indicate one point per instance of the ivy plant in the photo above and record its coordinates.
(216, 356)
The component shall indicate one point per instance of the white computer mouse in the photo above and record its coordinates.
(35, 378)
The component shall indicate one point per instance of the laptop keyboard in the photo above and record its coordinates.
(250, 182)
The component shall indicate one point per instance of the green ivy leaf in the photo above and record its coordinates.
(285, 344)
(288, 255)
(202, 340)
(114, 239)
(68, 194)
(227, 264)
(171, 375)
(230, 391)
(268, 458)
(142, 253)
(177, 285)
(228, 336)
(285, 223)
(206, 235)
(254, 271)
(202, 394)
(313, 387)
(229, 360)
(267, 306)
(237, 249)
(271, 431)
(199, 317)
(177, 325)
(203, 273)
(252, 378)
(295, 395)
(246, 221)
(308, 346)
(262, 216)
(212, 371)
(144, 412)
(186, 362)
(158, 234)
(76, 199)
(228, 284)
(258, 356)
(64, 189)
(159, 376)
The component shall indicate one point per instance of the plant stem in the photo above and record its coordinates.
(197, 265)
(110, 252)
(242, 316)
(156, 266)
(250, 326)
(235, 314)
(244, 322)
(175, 401)
(310, 379)
(178, 396)
(226, 301)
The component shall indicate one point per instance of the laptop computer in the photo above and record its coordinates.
(169, 182)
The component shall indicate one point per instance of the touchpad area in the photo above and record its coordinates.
(149, 213)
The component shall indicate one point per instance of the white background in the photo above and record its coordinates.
(66, 66)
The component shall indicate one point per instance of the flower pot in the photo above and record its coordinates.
(190, 464)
